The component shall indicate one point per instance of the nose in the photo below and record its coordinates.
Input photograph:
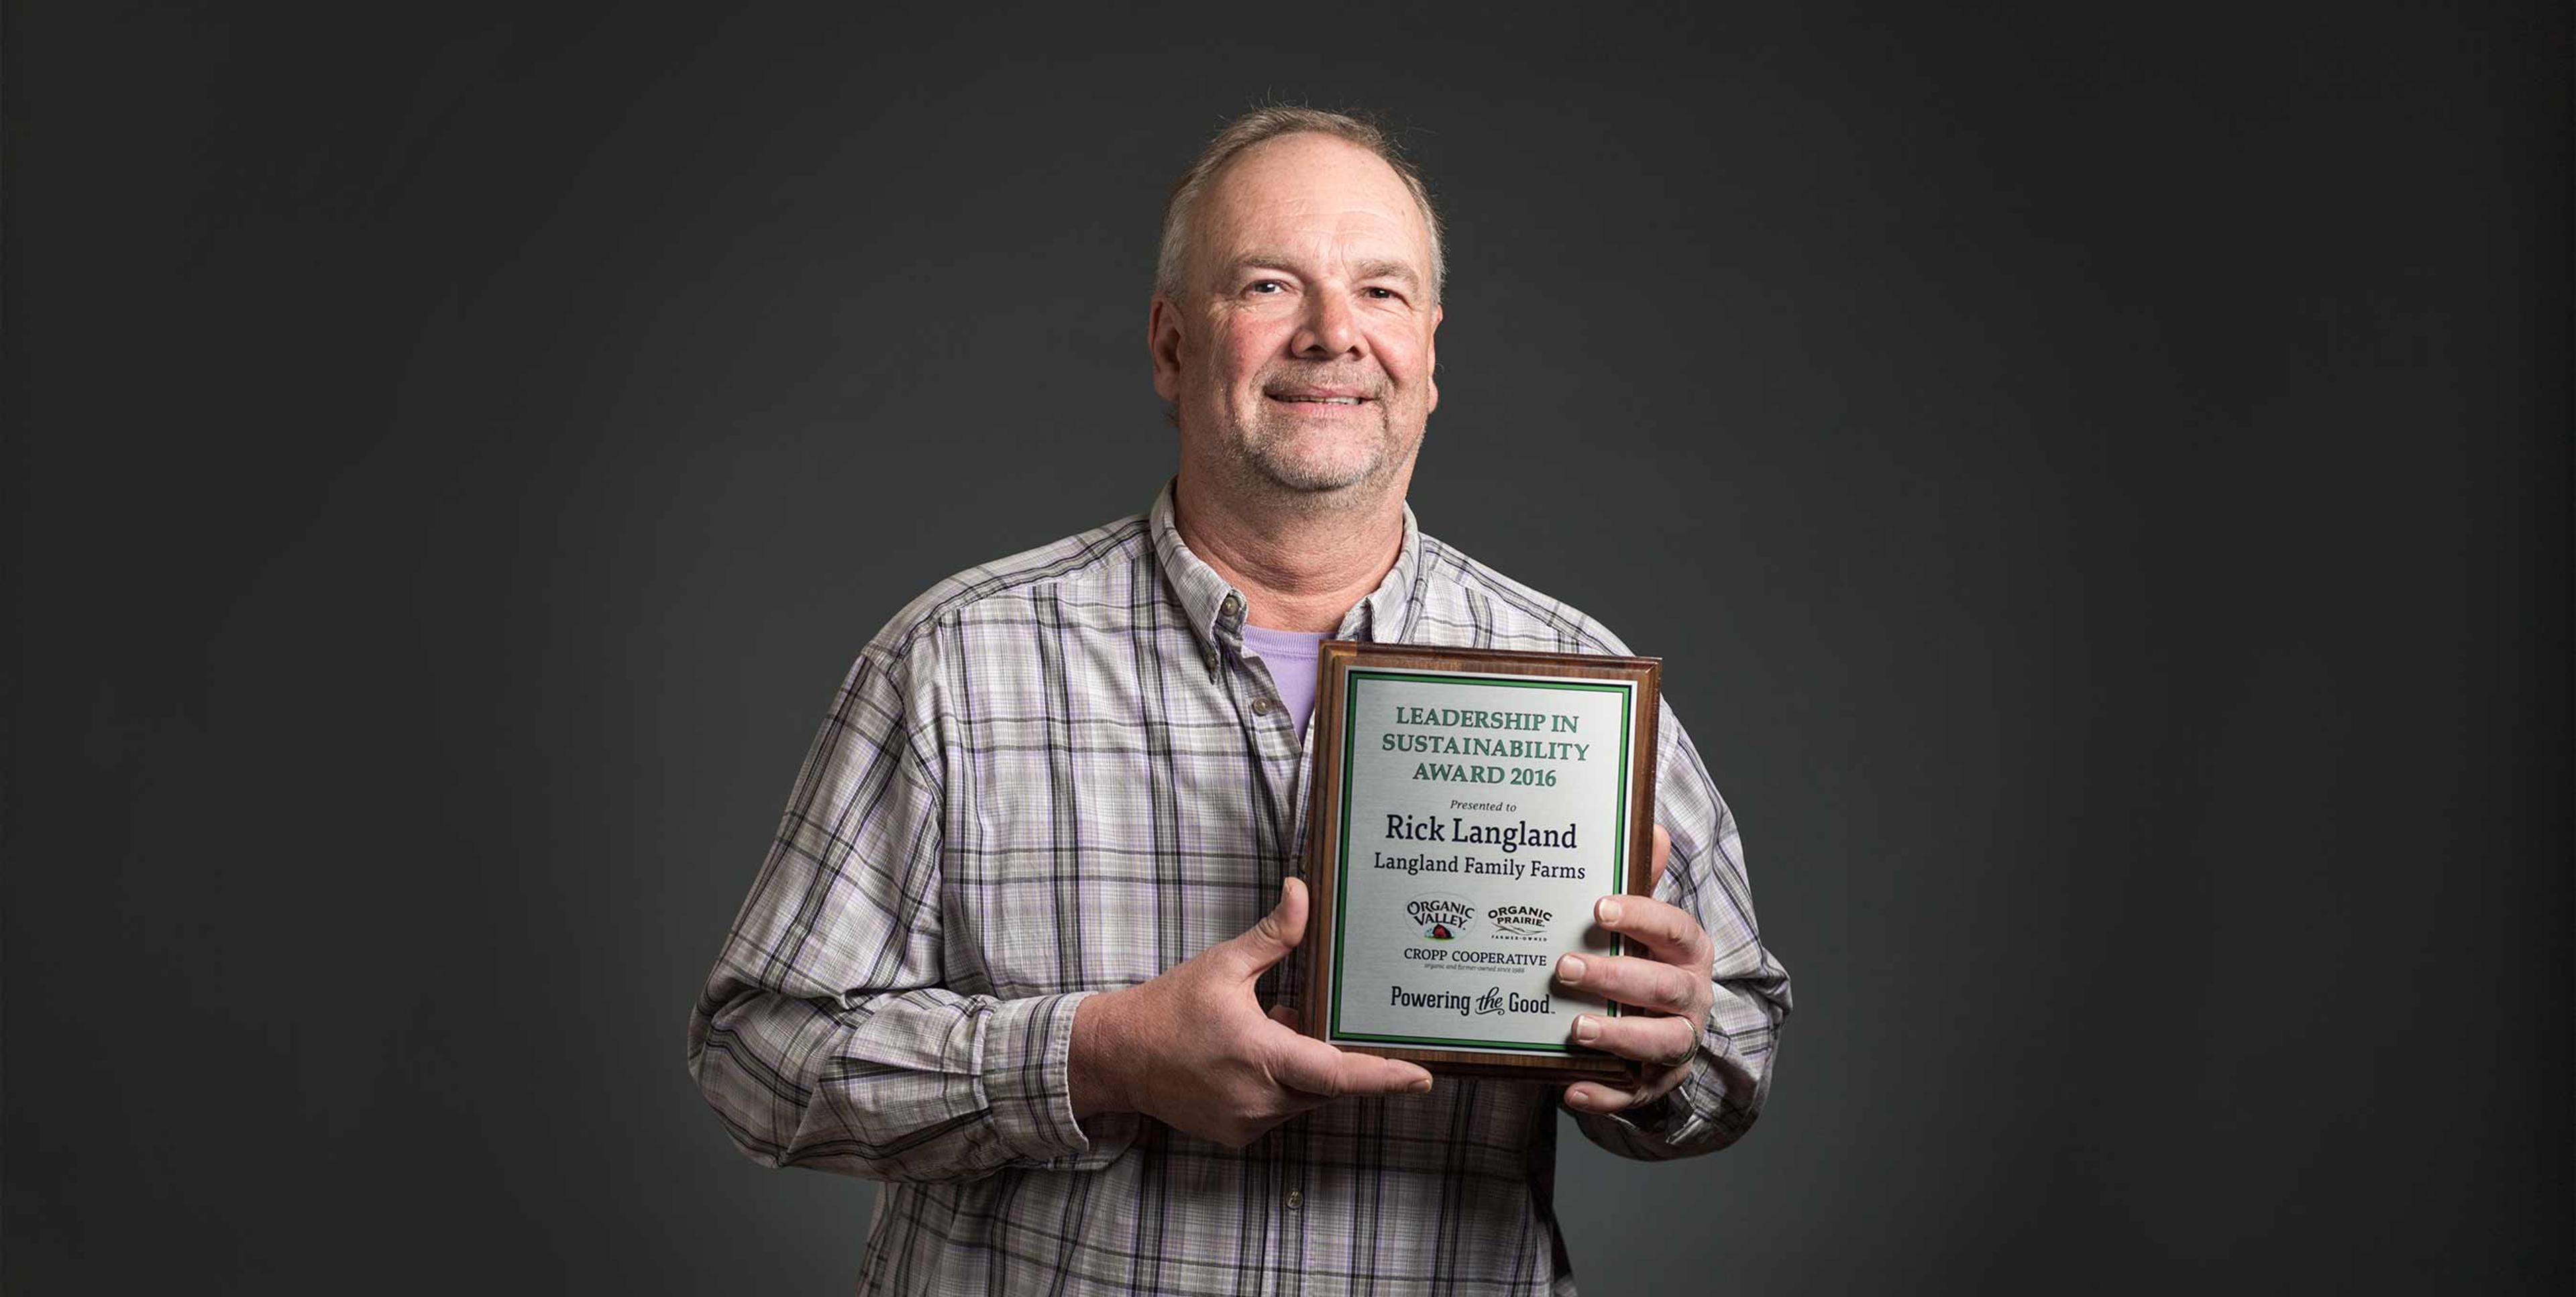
(1329, 329)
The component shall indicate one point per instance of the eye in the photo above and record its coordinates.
(1266, 287)
(1380, 292)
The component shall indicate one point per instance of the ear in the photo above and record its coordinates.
(1163, 344)
(1431, 361)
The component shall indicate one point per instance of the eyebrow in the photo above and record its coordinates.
(1373, 268)
(1396, 270)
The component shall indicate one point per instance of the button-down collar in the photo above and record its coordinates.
(1216, 608)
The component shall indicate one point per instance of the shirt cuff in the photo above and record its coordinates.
(1659, 1126)
(1024, 1051)
(1661, 1120)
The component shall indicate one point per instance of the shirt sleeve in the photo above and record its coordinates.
(829, 1034)
(1731, 1076)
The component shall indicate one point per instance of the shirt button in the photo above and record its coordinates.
(1296, 1199)
(1260, 706)
(1233, 605)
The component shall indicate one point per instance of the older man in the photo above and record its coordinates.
(1009, 947)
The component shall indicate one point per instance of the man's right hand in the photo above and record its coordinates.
(1193, 1049)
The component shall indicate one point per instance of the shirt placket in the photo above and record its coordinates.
(1282, 752)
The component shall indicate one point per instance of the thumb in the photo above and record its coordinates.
(1269, 941)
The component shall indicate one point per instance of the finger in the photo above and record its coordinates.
(1669, 932)
(1284, 1016)
(1660, 857)
(1316, 1068)
(1592, 1096)
(1661, 1083)
(1638, 983)
(1662, 1041)
(1265, 943)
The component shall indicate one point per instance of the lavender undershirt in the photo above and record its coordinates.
(1290, 655)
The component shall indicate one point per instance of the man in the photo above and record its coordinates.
(1009, 948)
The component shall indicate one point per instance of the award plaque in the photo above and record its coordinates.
(1470, 806)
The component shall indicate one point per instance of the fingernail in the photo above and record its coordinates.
(1609, 910)
(1569, 970)
(1587, 1029)
(1422, 1086)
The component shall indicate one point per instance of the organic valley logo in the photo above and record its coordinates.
(1441, 918)
(1520, 920)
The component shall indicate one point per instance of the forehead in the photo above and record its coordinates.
(1315, 193)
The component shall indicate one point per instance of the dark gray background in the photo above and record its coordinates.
(2100, 482)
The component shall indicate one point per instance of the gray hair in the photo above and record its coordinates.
(1269, 124)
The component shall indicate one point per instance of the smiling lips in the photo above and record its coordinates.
(1318, 398)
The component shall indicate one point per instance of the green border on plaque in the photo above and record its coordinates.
(1342, 838)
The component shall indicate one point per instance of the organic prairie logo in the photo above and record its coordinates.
(1441, 918)
(1526, 921)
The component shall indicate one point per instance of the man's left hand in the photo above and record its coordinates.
(1669, 989)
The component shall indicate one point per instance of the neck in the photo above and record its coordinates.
(1299, 567)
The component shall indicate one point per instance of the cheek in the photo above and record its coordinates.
(1245, 359)
(1212, 373)
(1253, 343)
(1237, 356)
(1401, 354)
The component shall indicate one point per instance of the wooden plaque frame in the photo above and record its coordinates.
(1326, 838)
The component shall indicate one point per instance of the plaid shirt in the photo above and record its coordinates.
(1048, 777)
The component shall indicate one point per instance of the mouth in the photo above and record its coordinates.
(1317, 398)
